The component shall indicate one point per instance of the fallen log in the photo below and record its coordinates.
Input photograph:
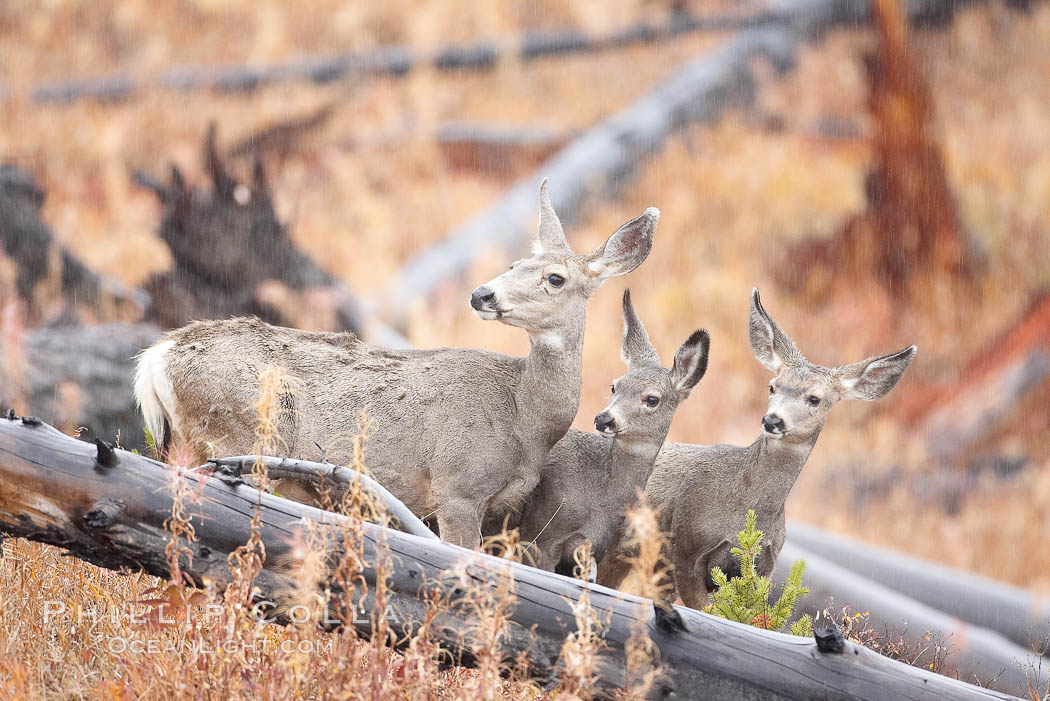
(943, 487)
(702, 90)
(391, 61)
(109, 506)
(398, 61)
(1018, 615)
(1020, 337)
(910, 239)
(1000, 381)
(78, 376)
(320, 475)
(976, 654)
(605, 156)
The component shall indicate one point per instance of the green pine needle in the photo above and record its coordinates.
(745, 599)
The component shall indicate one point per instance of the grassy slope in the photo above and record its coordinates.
(371, 188)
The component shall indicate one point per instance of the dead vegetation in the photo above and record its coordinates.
(369, 187)
(104, 634)
(910, 238)
(232, 256)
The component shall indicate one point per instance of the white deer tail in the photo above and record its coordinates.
(154, 393)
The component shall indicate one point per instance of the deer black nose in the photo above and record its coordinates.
(773, 423)
(605, 423)
(482, 296)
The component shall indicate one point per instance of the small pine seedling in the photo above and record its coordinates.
(746, 598)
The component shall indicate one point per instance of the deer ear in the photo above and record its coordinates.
(636, 346)
(626, 249)
(771, 346)
(690, 362)
(550, 236)
(871, 379)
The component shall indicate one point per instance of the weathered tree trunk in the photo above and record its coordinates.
(78, 376)
(598, 159)
(910, 239)
(225, 244)
(954, 436)
(1002, 384)
(232, 257)
(109, 506)
(606, 155)
(977, 654)
(1014, 613)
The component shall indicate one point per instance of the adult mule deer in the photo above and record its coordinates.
(590, 479)
(454, 432)
(703, 492)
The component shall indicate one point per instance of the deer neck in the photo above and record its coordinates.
(779, 463)
(628, 465)
(548, 395)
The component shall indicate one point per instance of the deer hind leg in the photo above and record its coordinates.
(459, 523)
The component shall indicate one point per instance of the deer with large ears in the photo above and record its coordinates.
(703, 492)
(453, 432)
(591, 479)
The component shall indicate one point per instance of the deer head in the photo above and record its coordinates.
(544, 292)
(645, 398)
(802, 393)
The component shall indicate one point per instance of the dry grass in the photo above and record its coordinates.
(648, 573)
(372, 188)
(928, 653)
(83, 632)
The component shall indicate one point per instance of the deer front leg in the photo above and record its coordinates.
(459, 524)
(563, 559)
(690, 580)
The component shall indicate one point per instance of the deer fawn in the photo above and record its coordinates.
(455, 432)
(590, 480)
(703, 492)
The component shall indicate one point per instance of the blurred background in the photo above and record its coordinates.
(881, 185)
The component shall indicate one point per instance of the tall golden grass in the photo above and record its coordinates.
(371, 188)
(76, 631)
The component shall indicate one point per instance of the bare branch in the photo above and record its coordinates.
(318, 474)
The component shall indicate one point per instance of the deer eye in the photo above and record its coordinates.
(612, 389)
(555, 280)
(813, 400)
(652, 401)
(771, 389)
